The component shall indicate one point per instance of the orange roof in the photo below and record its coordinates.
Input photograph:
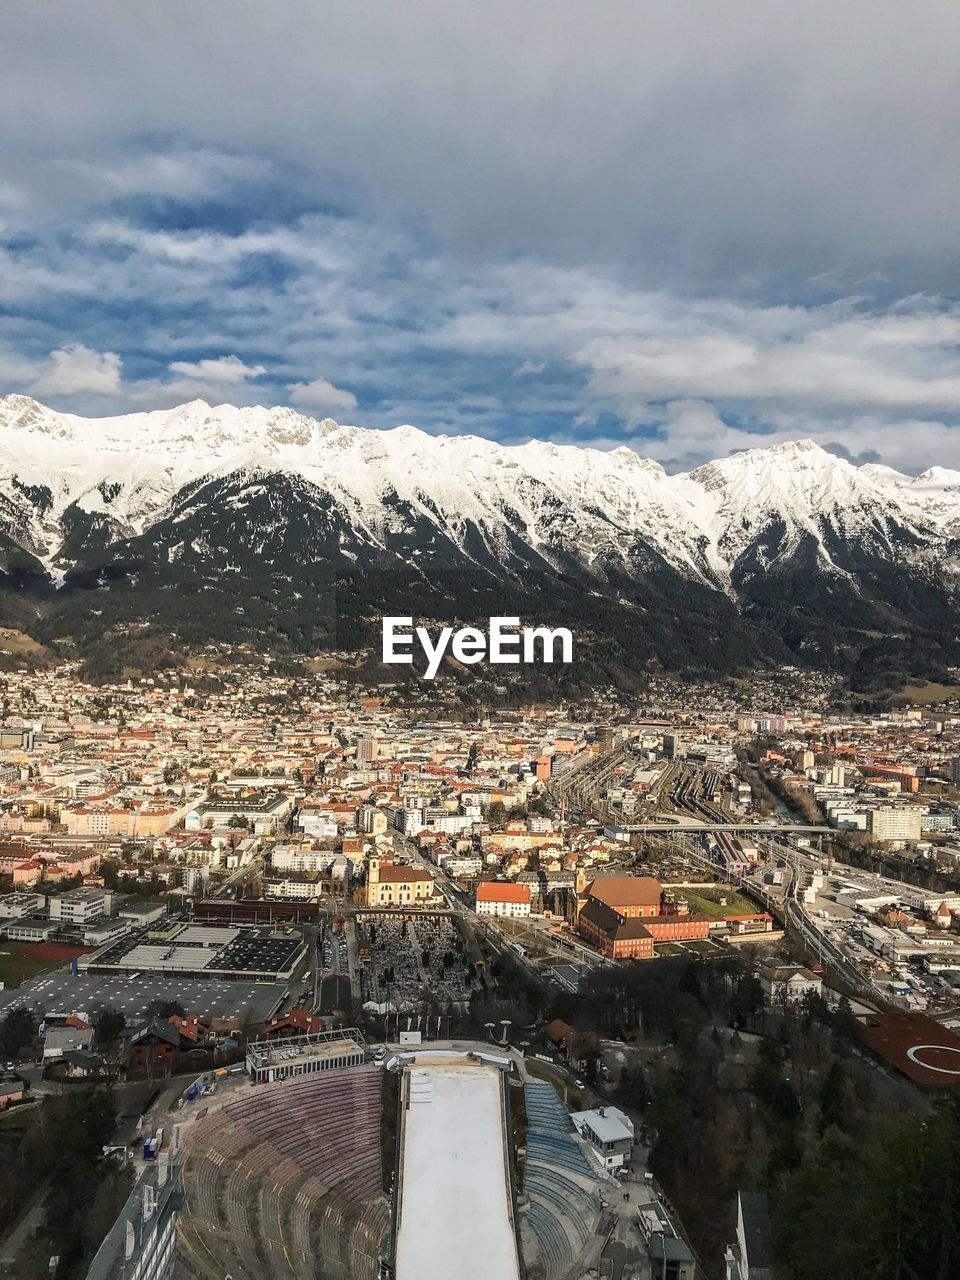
(299, 1018)
(402, 875)
(626, 891)
(502, 891)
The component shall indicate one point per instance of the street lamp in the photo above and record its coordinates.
(504, 1022)
(490, 1026)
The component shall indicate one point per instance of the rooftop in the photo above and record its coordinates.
(502, 891)
(625, 891)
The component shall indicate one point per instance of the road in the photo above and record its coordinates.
(235, 881)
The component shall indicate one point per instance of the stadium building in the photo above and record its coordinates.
(286, 1057)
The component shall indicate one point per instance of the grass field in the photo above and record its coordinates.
(927, 692)
(12, 641)
(320, 664)
(706, 902)
(17, 964)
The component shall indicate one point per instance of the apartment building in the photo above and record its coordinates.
(901, 823)
(80, 906)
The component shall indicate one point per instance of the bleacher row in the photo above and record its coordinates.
(285, 1182)
(559, 1183)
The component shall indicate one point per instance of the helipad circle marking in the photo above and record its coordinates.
(941, 1048)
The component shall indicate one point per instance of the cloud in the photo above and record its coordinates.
(904, 361)
(228, 370)
(699, 143)
(440, 342)
(690, 435)
(76, 368)
(322, 396)
(177, 173)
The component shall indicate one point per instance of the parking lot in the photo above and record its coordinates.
(64, 992)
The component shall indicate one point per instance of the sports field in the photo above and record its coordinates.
(22, 960)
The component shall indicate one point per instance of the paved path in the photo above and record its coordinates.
(19, 1235)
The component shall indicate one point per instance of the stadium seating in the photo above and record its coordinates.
(286, 1176)
(560, 1184)
(552, 1243)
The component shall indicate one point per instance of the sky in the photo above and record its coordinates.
(685, 226)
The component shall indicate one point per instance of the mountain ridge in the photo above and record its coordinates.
(795, 552)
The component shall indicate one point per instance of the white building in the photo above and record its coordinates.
(610, 1130)
(304, 890)
(461, 864)
(409, 822)
(77, 906)
(899, 823)
(20, 904)
(502, 898)
(195, 879)
(785, 983)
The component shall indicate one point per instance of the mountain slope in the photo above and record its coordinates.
(260, 524)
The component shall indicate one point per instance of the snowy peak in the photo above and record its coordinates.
(218, 521)
(21, 413)
(560, 500)
(936, 478)
(797, 493)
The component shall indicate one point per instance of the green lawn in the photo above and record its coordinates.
(15, 967)
(706, 902)
(667, 949)
(699, 944)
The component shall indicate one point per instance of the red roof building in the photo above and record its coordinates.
(502, 898)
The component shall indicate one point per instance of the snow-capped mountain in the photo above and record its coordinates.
(278, 520)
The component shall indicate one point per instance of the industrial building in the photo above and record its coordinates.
(231, 954)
